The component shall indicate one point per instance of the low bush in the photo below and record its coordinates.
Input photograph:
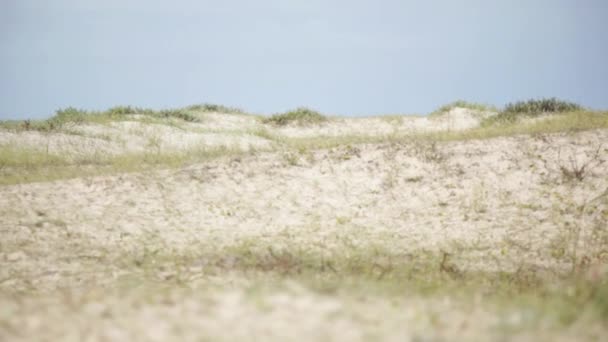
(540, 106)
(299, 116)
(70, 114)
(178, 114)
(532, 108)
(210, 107)
(128, 110)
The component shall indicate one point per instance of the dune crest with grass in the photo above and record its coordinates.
(206, 222)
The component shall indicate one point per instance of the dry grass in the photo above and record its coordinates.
(28, 164)
(400, 236)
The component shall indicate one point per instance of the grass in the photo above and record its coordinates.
(533, 108)
(211, 108)
(371, 267)
(361, 279)
(356, 264)
(27, 165)
(463, 104)
(299, 116)
(13, 157)
(368, 269)
(539, 106)
(18, 164)
(71, 116)
(563, 122)
(74, 116)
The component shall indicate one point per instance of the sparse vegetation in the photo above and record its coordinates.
(463, 104)
(26, 165)
(299, 116)
(574, 169)
(119, 111)
(74, 116)
(332, 225)
(209, 107)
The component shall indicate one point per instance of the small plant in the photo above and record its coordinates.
(291, 159)
(445, 266)
(576, 170)
(299, 116)
(429, 151)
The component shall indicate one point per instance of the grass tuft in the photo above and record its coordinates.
(299, 116)
(532, 108)
(463, 104)
(214, 108)
(71, 115)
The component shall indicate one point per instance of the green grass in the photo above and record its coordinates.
(74, 116)
(27, 165)
(26, 158)
(300, 116)
(71, 115)
(538, 106)
(563, 122)
(533, 108)
(210, 108)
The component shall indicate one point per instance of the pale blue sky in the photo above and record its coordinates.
(343, 57)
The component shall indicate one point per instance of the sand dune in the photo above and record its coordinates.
(302, 244)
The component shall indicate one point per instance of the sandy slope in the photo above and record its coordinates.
(139, 134)
(502, 204)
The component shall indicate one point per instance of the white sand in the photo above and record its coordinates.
(498, 204)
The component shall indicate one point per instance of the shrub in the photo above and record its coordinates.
(71, 114)
(532, 108)
(300, 116)
(536, 107)
(64, 116)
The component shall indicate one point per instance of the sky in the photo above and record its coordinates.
(341, 57)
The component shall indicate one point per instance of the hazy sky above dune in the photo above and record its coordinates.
(344, 57)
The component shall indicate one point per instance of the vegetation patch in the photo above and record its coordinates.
(74, 116)
(299, 116)
(532, 108)
(26, 165)
(463, 104)
(214, 108)
(373, 269)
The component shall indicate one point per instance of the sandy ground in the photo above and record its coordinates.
(495, 205)
(139, 134)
